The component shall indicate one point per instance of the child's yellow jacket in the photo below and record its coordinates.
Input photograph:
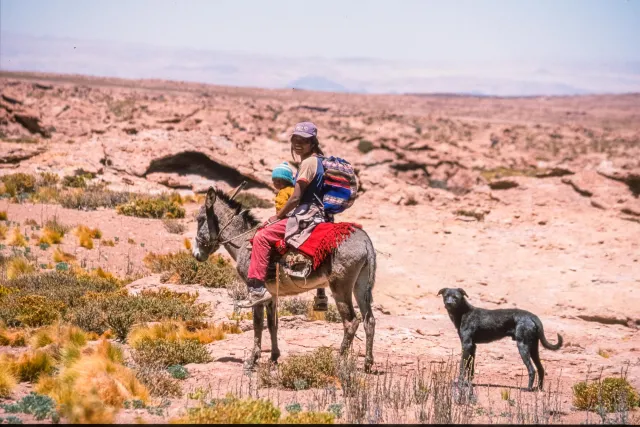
(282, 197)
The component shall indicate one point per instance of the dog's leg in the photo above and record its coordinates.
(523, 348)
(535, 356)
(467, 362)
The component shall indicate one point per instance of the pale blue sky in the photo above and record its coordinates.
(542, 30)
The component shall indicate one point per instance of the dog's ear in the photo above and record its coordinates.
(441, 291)
(211, 198)
(463, 292)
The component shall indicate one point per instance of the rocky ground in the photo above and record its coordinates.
(529, 203)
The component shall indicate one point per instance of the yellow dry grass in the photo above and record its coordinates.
(178, 331)
(50, 236)
(3, 216)
(18, 239)
(86, 236)
(8, 381)
(19, 266)
(94, 387)
(3, 231)
(61, 256)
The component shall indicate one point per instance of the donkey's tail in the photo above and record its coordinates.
(543, 339)
(371, 265)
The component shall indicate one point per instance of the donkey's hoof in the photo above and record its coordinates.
(368, 363)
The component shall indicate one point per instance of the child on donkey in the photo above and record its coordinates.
(282, 179)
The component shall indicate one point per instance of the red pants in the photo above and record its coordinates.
(263, 241)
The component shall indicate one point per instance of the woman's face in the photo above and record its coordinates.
(301, 146)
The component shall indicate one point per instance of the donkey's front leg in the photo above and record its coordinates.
(273, 330)
(258, 321)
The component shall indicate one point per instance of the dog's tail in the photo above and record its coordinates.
(543, 339)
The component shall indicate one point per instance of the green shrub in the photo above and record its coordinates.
(164, 353)
(18, 183)
(36, 310)
(181, 267)
(308, 418)
(75, 181)
(294, 306)
(38, 405)
(250, 201)
(610, 394)
(365, 146)
(300, 372)
(163, 206)
(178, 372)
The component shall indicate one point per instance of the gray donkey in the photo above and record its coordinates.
(351, 269)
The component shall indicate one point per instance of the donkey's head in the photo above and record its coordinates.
(207, 238)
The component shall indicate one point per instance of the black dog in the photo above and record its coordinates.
(480, 326)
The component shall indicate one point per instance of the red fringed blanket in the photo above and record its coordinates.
(325, 238)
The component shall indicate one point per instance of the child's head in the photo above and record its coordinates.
(282, 176)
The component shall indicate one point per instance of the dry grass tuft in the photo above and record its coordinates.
(19, 266)
(3, 231)
(162, 206)
(92, 388)
(8, 381)
(231, 410)
(18, 239)
(3, 216)
(61, 256)
(86, 236)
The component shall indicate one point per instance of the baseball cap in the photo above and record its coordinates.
(305, 130)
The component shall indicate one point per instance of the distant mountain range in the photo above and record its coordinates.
(359, 75)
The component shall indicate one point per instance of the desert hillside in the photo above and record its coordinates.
(522, 202)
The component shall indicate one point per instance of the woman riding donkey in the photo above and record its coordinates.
(294, 223)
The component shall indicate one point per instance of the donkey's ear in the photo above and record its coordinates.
(463, 292)
(211, 198)
(441, 291)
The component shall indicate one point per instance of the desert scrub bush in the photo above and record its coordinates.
(40, 297)
(164, 353)
(181, 267)
(162, 206)
(232, 410)
(47, 179)
(19, 266)
(158, 381)
(308, 418)
(109, 243)
(293, 306)
(8, 380)
(365, 146)
(173, 226)
(76, 181)
(299, 372)
(3, 216)
(609, 394)
(92, 198)
(250, 201)
(99, 312)
(18, 239)
(18, 183)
